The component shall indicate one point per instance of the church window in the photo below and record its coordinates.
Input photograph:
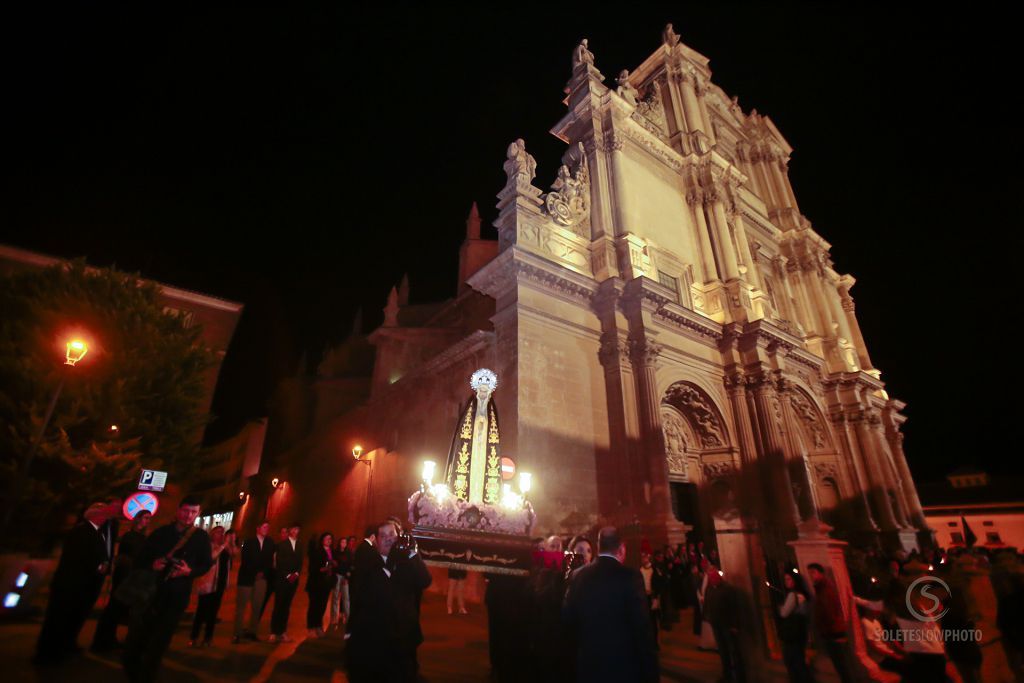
(670, 282)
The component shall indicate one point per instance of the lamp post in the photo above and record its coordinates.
(75, 350)
(357, 452)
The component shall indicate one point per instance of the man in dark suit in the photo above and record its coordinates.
(257, 562)
(384, 629)
(606, 610)
(75, 587)
(287, 567)
(180, 553)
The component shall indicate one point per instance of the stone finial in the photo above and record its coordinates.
(520, 166)
(391, 310)
(473, 223)
(626, 90)
(669, 37)
(581, 55)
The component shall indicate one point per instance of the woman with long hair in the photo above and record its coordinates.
(322, 568)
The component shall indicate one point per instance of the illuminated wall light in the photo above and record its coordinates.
(11, 600)
(428, 471)
(21, 580)
(76, 350)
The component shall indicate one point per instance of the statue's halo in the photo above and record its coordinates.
(483, 378)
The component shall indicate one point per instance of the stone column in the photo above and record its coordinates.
(613, 147)
(732, 271)
(709, 130)
(832, 294)
(851, 319)
(909, 490)
(860, 482)
(883, 505)
(707, 255)
(644, 354)
(783, 170)
(889, 470)
(741, 239)
(691, 109)
(767, 409)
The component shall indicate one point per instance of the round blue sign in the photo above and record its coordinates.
(137, 502)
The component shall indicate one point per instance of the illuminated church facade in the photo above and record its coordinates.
(675, 352)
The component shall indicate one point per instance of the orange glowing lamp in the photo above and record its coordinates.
(357, 450)
(76, 350)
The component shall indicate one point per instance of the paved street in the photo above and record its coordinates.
(455, 651)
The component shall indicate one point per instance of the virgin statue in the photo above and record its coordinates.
(473, 470)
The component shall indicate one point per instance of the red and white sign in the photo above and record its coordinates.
(508, 468)
(137, 502)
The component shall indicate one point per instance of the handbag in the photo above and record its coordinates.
(139, 588)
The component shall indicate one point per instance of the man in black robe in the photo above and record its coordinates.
(75, 587)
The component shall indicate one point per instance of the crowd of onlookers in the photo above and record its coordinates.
(582, 613)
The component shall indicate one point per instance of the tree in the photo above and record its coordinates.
(144, 372)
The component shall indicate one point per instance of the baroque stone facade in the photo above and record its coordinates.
(676, 352)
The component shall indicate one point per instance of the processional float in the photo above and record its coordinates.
(473, 519)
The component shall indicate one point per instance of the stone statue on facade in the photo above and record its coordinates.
(581, 55)
(626, 90)
(669, 37)
(520, 164)
(568, 202)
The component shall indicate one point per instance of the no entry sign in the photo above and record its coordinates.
(508, 468)
(137, 502)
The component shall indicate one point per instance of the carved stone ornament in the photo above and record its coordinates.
(650, 112)
(717, 470)
(826, 470)
(676, 442)
(699, 411)
(644, 352)
(809, 416)
(613, 351)
(568, 202)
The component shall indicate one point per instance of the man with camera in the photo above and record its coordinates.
(384, 629)
(177, 553)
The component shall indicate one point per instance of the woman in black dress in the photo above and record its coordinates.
(322, 568)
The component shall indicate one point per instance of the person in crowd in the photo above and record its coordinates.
(75, 586)
(322, 568)
(962, 615)
(457, 590)
(661, 563)
(287, 567)
(364, 553)
(339, 592)
(211, 586)
(606, 612)
(579, 553)
(508, 617)
(830, 622)
(1008, 582)
(257, 560)
(722, 611)
(678, 575)
(883, 649)
(546, 590)
(180, 552)
(793, 627)
(695, 586)
(707, 633)
(917, 616)
(116, 612)
(282, 536)
(384, 628)
(654, 582)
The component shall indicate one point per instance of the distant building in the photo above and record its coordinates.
(993, 509)
(224, 482)
(218, 317)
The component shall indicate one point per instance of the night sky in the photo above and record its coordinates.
(301, 163)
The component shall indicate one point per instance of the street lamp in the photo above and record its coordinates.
(357, 450)
(75, 350)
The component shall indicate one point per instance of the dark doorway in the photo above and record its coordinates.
(684, 503)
